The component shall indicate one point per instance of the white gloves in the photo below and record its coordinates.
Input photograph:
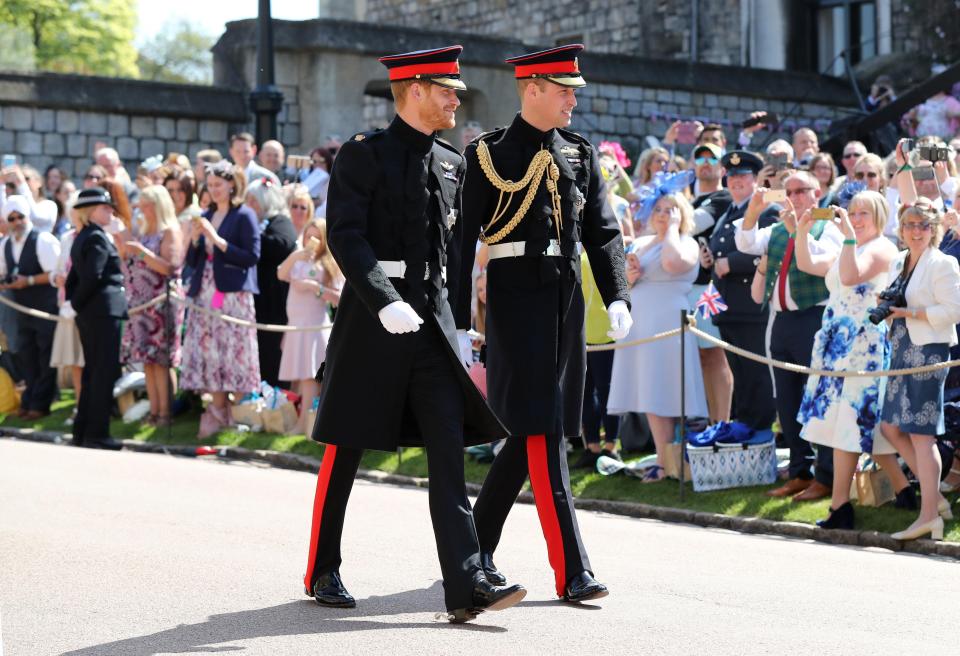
(466, 348)
(67, 311)
(399, 317)
(620, 320)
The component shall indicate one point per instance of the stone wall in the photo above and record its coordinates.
(57, 119)
(654, 28)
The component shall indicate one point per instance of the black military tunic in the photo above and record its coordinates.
(536, 354)
(536, 357)
(389, 188)
(744, 323)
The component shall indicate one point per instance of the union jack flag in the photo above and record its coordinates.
(710, 302)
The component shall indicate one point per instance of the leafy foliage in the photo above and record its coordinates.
(178, 53)
(90, 37)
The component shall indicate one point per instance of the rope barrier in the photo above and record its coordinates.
(692, 327)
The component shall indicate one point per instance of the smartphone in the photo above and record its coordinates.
(687, 133)
(775, 196)
(822, 213)
(922, 173)
(8, 161)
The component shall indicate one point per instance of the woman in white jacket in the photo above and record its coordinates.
(922, 334)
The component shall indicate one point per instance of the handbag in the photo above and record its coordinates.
(281, 419)
(873, 486)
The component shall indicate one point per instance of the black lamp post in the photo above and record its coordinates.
(266, 99)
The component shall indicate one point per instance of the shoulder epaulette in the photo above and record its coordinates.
(573, 136)
(363, 136)
(447, 145)
(491, 135)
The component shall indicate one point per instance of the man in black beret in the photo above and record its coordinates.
(393, 374)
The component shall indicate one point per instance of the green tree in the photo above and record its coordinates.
(178, 53)
(91, 37)
(16, 50)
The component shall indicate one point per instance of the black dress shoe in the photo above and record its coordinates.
(490, 570)
(583, 587)
(487, 596)
(841, 518)
(107, 445)
(329, 591)
(587, 460)
(907, 499)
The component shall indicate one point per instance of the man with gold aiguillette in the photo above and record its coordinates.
(393, 375)
(536, 355)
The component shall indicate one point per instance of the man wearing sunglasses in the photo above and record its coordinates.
(852, 152)
(797, 300)
(27, 258)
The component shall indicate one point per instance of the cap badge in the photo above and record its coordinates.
(359, 137)
(735, 159)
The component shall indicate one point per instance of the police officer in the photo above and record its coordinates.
(535, 310)
(743, 323)
(393, 206)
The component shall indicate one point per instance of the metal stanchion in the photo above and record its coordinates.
(683, 395)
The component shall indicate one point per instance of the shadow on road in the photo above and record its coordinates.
(289, 619)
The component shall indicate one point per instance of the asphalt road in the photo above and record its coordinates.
(124, 553)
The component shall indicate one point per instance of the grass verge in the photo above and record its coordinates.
(738, 502)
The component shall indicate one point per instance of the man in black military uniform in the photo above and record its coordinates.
(743, 323)
(535, 310)
(393, 374)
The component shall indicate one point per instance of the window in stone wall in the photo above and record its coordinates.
(844, 26)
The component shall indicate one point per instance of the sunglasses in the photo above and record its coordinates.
(14, 216)
(912, 225)
(90, 176)
(299, 207)
(849, 155)
(700, 161)
(860, 175)
(798, 192)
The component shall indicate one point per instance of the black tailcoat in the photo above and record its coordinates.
(394, 195)
(536, 354)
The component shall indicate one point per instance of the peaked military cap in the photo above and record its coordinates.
(558, 65)
(439, 66)
(741, 161)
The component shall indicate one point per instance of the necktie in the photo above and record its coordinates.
(784, 271)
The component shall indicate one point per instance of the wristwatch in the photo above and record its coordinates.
(30, 280)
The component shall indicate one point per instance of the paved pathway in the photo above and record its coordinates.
(125, 553)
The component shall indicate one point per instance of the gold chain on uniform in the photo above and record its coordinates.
(542, 161)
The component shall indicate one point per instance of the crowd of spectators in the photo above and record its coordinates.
(242, 234)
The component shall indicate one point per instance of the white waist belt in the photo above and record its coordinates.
(397, 269)
(519, 249)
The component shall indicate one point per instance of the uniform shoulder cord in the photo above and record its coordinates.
(542, 162)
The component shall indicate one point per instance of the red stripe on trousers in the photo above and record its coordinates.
(323, 483)
(546, 508)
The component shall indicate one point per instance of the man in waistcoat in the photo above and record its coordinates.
(28, 257)
(797, 300)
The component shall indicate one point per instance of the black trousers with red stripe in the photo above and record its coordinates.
(544, 459)
(435, 399)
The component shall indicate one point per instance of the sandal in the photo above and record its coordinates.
(653, 475)
(211, 421)
(947, 488)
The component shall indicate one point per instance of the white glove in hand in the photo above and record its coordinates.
(620, 320)
(466, 348)
(399, 318)
(67, 311)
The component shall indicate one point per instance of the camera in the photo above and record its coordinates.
(823, 213)
(778, 161)
(767, 118)
(893, 296)
(923, 173)
(934, 153)
(774, 196)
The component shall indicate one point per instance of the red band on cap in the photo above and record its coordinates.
(440, 68)
(554, 68)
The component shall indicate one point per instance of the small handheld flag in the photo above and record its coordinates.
(710, 302)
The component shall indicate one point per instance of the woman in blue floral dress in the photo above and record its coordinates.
(844, 413)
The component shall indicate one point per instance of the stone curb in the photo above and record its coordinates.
(754, 525)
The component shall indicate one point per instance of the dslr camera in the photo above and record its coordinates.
(893, 296)
(934, 153)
